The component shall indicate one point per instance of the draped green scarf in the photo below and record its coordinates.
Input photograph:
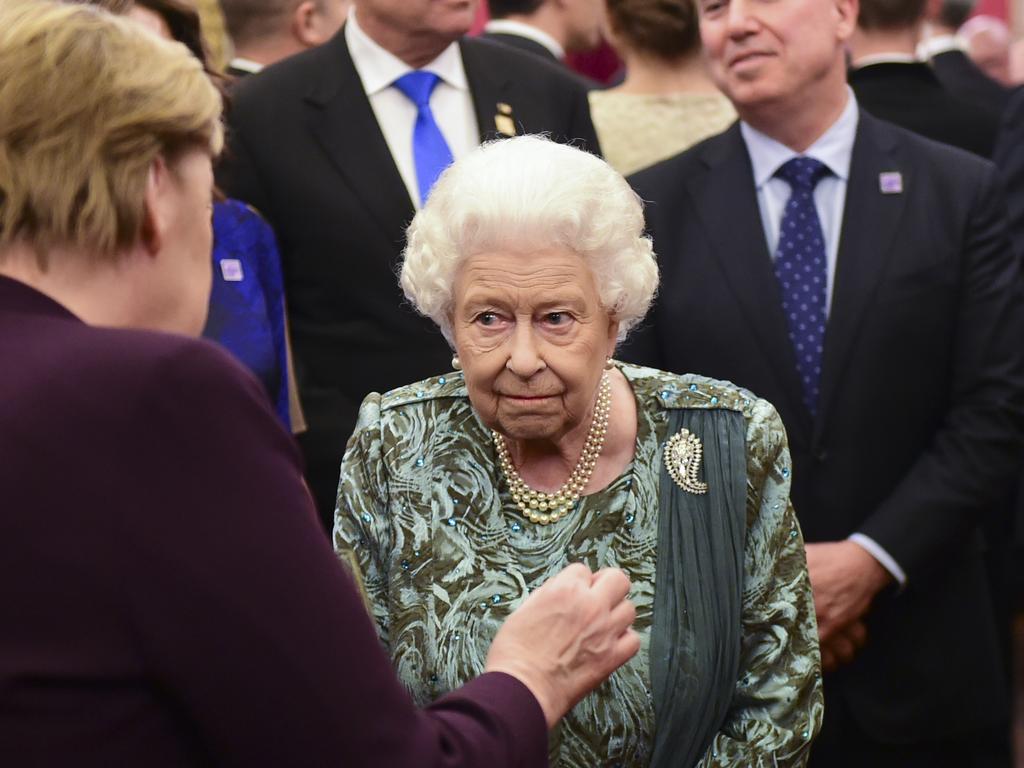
(695, 637)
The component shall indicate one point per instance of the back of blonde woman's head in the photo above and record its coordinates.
(530, 193)
(87, 102)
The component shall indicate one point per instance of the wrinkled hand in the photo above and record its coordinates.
(842, 646)
(567, 637)
(845, 579)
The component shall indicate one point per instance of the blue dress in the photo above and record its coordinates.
(247, 299)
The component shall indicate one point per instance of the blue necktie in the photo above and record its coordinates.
(802, 270)
(430, 151)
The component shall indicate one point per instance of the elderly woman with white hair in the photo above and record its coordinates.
(460, 493)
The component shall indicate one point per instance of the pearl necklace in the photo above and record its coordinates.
(543, 508)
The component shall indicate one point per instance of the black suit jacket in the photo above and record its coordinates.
(965, 80)
(306, 150)
(521, 43)
(911, 96)
(1009, 159)
(169, 597)
(236, 72)
(920, 412)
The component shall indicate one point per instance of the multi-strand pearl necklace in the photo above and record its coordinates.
(544, 508)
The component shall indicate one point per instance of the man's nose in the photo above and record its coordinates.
(740, 19)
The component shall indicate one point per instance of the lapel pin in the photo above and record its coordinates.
(231, 270)
(890, 183)
(503, 121)
(683, 454)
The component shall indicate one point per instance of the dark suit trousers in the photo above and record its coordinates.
(842, 743)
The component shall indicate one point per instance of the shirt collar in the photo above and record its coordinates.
(378, 68)
(933, 46)
(245, 65)
(885, 58)
(833, 148)
(530, 32)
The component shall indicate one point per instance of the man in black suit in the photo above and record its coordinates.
(546, 28)
(1009, 159)
(265, 31)
(948, 57)
(891, 84)
(322, 145)
(860, 278)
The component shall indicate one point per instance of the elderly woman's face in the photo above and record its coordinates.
(532, 337)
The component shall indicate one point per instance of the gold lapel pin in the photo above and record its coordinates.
(503, 121)
(683, 455)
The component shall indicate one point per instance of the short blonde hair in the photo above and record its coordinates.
(87, 102)
(524, 193)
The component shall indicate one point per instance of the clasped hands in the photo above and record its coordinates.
(845, 578)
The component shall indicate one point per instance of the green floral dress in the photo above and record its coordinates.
(425, 521)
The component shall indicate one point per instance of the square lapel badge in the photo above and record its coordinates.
(231, 270)
(890, 183)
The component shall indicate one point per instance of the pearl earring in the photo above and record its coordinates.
(456, 363)
(609, 363)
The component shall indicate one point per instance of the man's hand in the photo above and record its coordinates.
(842, 647)
(845, 579)
(567, 637)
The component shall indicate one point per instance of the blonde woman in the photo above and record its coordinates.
(169, 598)
(666, 103)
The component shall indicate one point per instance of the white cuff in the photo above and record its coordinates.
(875, 550)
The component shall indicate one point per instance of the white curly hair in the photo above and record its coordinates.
(523, 193)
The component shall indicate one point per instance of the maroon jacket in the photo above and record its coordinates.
(166, 594)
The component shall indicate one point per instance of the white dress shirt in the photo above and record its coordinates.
(451, 101)
(511, 27)
(834, 148)
(246, 65)
(933, 46)
(885, 58)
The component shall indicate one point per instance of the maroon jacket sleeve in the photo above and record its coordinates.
(242, 611)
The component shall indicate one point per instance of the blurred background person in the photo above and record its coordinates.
(214, 32)
(547, 28)
(265, 31)
(247, 312)
(892, 83)
(184, 608)
(946, 51)
(988, 44)
(1017, 63)
(460, 492)
(338, 147)
(666, 103)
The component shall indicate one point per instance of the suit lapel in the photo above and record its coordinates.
(489, 86)
(344, 125)
(870, 220)
(726, 191)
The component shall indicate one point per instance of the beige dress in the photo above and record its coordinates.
(638, 130)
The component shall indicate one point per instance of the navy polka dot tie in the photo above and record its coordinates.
(802, 270)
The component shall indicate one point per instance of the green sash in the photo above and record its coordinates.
(695, 637)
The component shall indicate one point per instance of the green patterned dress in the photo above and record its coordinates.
(425, 521)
